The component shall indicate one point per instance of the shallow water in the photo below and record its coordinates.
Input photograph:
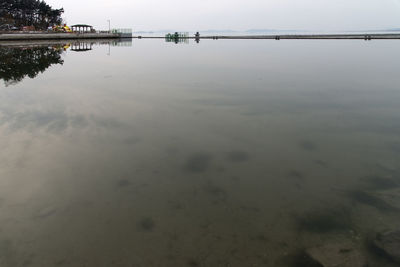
(222, 153)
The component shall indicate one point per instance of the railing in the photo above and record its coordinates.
(122, 32)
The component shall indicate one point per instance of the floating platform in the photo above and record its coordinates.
(57, 36)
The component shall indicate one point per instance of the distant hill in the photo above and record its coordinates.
(260, 30)
(394, 30)
(271, 30)
(219, 31)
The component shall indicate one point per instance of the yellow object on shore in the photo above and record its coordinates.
(63, 28)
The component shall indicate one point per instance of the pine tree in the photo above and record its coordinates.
(29, 13)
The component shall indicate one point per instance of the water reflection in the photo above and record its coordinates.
(81, 46)
(17, 63)
(28, 59)
(229, 153)
(87, 45)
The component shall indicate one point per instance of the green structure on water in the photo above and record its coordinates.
(177, 37)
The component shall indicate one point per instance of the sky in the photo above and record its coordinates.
(197, 15)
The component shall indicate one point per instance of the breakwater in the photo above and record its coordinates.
(365, 36)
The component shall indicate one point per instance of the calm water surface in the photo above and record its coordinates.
(222, 153)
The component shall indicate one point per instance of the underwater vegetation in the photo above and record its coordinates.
(296, 175)
(369, 199)
(380, 183)
(297, 178)
(217, 193)
(321, 163)
(395, 147)
(46, 212)
(237, 156)
(385, 247)
(123, 183)
(193, 263)
(325, 221)
(198, 162)
(307, 145)
(146, 224)
(299, 258)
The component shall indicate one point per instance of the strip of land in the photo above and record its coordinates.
(366, 36)
(56, 36)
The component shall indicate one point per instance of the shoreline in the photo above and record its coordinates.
(83, 36)
(56, 36)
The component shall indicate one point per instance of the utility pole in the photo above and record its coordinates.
(109, 27)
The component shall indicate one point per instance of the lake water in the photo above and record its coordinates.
(221, 153)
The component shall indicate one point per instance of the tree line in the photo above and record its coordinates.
(29, 13)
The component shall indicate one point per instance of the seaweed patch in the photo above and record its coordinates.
(369, 199)
(198, 162)
(325, 220)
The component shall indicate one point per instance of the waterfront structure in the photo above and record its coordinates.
(82, 28)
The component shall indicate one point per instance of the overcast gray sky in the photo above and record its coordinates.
(192, 15)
